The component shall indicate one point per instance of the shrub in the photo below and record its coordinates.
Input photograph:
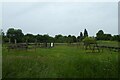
(89, 40)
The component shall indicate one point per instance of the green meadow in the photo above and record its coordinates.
(61, 61)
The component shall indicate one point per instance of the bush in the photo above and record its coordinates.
(89, 40)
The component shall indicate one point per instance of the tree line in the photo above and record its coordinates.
(17, 34)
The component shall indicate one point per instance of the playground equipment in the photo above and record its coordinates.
(90, 44)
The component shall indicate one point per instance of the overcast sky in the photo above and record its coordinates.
(61, 17)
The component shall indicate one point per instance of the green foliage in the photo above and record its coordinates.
(81, 36)
(101, 36)
(2, 33)
(29, 38)
(89, 40)
(100, 32)
(39, 38)
(59, 38)
(65, 39)
(46, 38)
(85, 33)
(74, 39)
(15, 34)
(107, 37)
(116, 38)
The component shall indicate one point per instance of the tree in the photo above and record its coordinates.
(116, 38)
(65, 39)
(39, 38)
(107, 37)
(10, 33)
(89, 40)
(29, 38)
(15, 34)
(81, 36)
(2, 33)
(59, 38)
(19, 35)
(74, 39)
(51, 39)
(78, 38)
(46, 38)
(70, 40)
(85, 33)
(100, 35)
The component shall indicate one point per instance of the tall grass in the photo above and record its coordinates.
(59, 62)
(109, 43)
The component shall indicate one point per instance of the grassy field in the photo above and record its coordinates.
(109, 43)
(59, 62)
